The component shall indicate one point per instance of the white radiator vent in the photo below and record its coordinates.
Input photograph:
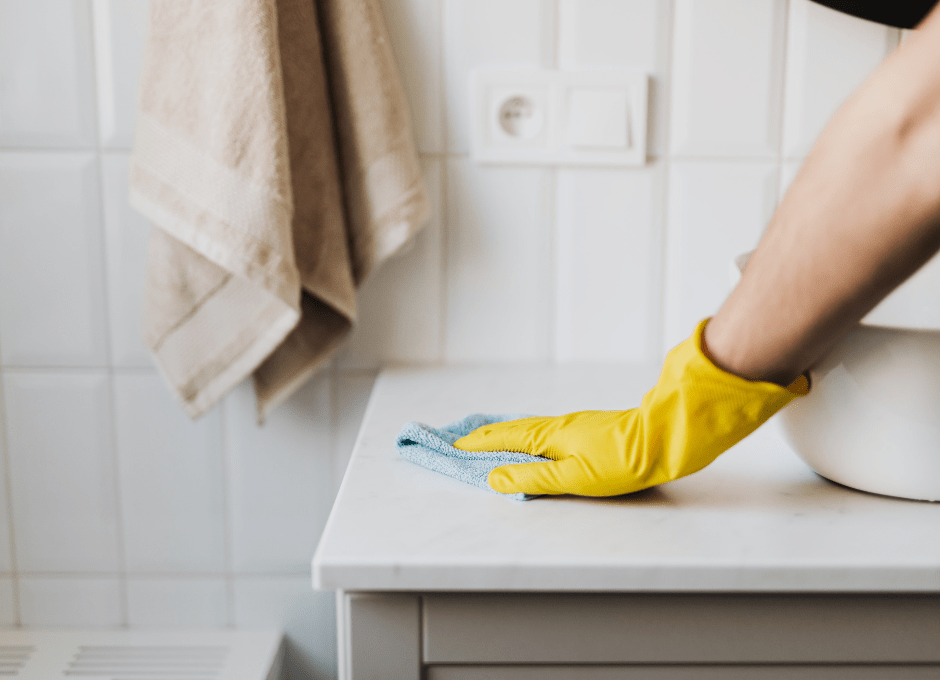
(13, 658)
(140, 655)
(176, 662)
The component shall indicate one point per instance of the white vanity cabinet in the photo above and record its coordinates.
(753, 568)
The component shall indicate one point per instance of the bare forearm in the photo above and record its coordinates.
(862, 215)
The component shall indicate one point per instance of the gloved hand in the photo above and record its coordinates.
(696, 412)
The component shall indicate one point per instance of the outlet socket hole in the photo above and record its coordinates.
(519, 117)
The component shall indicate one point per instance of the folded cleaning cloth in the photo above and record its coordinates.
(433, 448)
(273, 154)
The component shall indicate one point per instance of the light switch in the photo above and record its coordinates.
(533, 116)
(598, 118)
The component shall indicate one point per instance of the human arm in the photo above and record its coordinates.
(862, 215)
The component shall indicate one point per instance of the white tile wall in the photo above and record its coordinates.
(51, 274)
(726, 79)
(607, 275)
(46, 74)
(126, 234)
(716, 211)
(6, 556)
(499, 233)
(70, 602)
(7, 603)
(62, 472)
(279, 478)
(177, 603)
(120, 31)
(172, 501)
(125, 513)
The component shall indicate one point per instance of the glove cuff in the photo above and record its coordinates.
(698, 410)
(799, 387)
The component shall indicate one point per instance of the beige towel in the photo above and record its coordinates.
(274, 156)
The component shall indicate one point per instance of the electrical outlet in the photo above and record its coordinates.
(525, 117)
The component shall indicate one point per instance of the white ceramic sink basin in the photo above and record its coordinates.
(872, 418)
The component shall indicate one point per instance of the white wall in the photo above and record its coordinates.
(115, 510)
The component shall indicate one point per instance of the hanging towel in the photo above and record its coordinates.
(273, 154)
(433, 448)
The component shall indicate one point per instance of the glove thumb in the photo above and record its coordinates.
(552, 477)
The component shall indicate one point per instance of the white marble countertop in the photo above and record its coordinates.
(757, 519)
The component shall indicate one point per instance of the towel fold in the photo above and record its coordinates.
(273, 153)
(433, 448)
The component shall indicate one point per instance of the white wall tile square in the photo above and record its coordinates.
(127, 233)
(352, 396)
(120, 32)
(414, 28)
(7, 602)
(829, 54)
(46, 74)
(498, 238)
(727, 67)
(51, 275)
(607, 251)
(716, 211)
(177, 603)
(400, 304)
(307, 618)
(62, 471)
(70, 602)
(280, 478)
(478, 33)
(634, 34)
(172, 500)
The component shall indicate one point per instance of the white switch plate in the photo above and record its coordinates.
(528, 116)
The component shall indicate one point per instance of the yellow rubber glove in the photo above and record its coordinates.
(696, 412)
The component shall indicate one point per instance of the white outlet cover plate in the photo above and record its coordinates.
(539, 117)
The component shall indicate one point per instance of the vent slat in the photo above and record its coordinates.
(139, 655)
(13, 659)
(144, 673)
(131, 648)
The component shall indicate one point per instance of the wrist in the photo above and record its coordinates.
(720, 348)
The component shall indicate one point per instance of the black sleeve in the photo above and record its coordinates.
(900, 13)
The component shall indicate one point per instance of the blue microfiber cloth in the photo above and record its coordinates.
(433, 448)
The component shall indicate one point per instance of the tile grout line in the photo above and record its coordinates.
(8, 488)
(667, 158)
(443, 192)
(782, 107)
(157, 575)
(334, 378)
(227, 535)
(6, 468)
(550, 204)
(551, 290)
(94, 17)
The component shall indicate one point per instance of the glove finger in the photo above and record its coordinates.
(552, 477)
(511, 435)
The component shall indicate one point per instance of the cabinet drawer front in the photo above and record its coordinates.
(683, 672)
(638, 629)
